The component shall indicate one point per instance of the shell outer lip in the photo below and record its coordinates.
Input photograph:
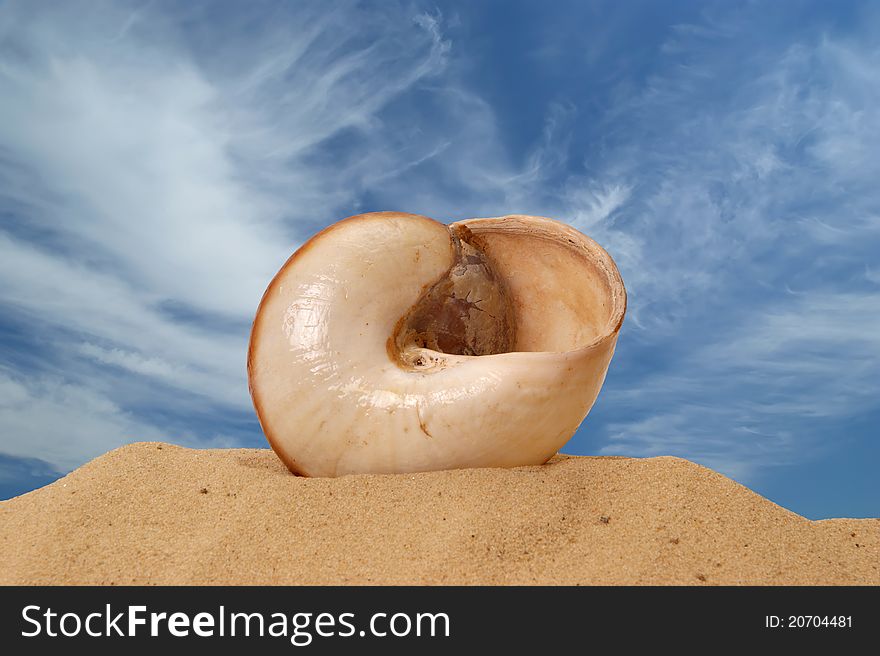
(615, 280)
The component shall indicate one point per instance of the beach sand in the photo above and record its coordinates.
(153, 513)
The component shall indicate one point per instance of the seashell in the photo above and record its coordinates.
(390, 343)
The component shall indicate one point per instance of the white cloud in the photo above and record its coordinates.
(54, 293)
(63, 424)
(134, 362)
(733, 207)
(751, 398)
(592, 206)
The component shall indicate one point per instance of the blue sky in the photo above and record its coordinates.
(160, 160)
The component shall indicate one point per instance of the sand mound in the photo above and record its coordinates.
(159, 514)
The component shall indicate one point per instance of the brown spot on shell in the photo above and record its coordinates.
(467, 312)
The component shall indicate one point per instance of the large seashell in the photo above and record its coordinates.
(392, 343)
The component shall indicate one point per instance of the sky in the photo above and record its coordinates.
(159, 161)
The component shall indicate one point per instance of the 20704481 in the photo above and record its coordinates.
(807, 621)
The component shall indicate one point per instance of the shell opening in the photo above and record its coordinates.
(467, 312)
(516, 284)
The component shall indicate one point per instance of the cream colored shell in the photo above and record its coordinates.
(334, 395)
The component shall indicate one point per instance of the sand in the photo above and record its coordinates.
(153, 513)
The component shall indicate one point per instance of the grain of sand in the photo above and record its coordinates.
(153, 513)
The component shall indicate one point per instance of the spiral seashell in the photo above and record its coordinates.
(390, 343)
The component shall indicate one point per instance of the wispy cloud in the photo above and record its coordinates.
(746, 243)
(59, 423)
